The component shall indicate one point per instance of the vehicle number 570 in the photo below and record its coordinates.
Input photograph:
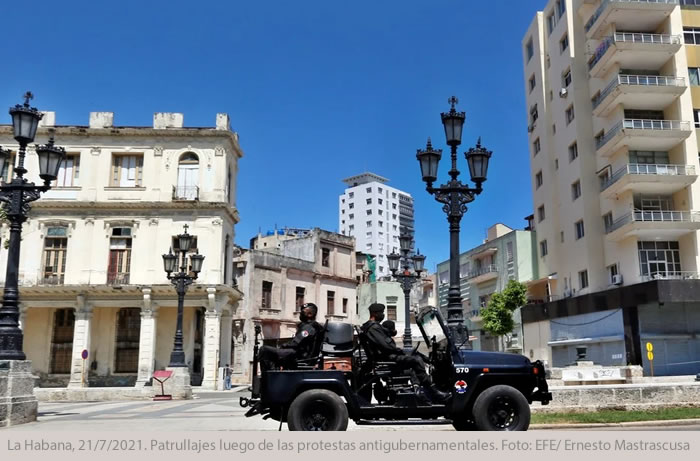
(461, 370)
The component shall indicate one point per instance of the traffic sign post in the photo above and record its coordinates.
(650, 356)
(84, 355)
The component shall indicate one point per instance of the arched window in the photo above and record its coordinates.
(187, 177)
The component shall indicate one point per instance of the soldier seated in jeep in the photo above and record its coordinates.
(385, 349)
(300, 347)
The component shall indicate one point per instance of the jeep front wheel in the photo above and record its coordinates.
(501, 408)
(317, 410)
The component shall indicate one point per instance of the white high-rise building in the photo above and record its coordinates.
(376, 215)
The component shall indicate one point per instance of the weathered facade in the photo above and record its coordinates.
(318, 267)
(91, 270)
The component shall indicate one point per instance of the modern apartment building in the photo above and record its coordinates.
(376, 215)
(91, 272)
(611, 90)
(486, 269)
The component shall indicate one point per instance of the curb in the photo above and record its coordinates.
(661, 422)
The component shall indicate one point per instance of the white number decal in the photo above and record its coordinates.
(461, 370)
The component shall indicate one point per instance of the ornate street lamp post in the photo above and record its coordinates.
(16, 197)
(454, 196)
(181, 280)
(406, 278)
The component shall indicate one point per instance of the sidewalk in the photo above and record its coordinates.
(640, 424)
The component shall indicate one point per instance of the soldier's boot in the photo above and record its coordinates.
(435, 394)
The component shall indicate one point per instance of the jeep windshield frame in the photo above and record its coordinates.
(431, 324)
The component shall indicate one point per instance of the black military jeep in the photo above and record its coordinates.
(489, 390)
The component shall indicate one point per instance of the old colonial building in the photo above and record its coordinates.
(316, 267)
(91, 270)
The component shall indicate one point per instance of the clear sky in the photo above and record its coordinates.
(318, 90)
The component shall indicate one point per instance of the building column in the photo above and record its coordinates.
(147, 339)
(81, 341)
(225, 343)
(212, 333)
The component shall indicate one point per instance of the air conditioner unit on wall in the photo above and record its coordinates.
(617, 279)
(563, 93)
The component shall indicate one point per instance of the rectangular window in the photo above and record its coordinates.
(266, 295)
(556, 163)
(533, 82)
(529, 50)
(573, 152)
(696, 116)
(564, 43)
(300, 294)
(62, 341)
(351, 205)
(369, 223)
(570, 114)
(561, 236)
(69, 173)
(369, 190)
(551, 22)
(538, 180)
(8, 169)
(607, 222)
(566, 78)
(659, 260)
(55, 246)
(345, 304)
(351, 216)
(325, 257)
(533, 114)
(368, 212)
(583, 279)
(119, 256)
(536, 147)
(391, 312)
(575, 190)
(560, 7)
(612, 272)
(694, 75)
(540, 213)
(127, 171)
(579, 231)
(543, 248)
(126, 356)
(369, 201)
(330, 300)
(351, 194)
(691, 35)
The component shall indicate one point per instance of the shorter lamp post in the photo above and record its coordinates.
(406, 278)
(181, 280)
(16, 197)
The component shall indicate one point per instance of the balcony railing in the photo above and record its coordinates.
(482, 270)
(649, 169)
(653, 216)
(117, 278)
(642, 124)
(641, 80)
(671, 275)
(47, 278)
(185, 192)
(632, 37)
(605, 3)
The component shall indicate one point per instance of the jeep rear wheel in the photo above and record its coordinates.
(317, 410)
(501, 408)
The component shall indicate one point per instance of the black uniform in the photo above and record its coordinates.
(300, 347)
(385, 347)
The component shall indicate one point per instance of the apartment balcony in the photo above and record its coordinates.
(184, 193)
(649, 179)
(643, 134)
(117, 278)
(484, 252)
(474, 315)
(49, 278)
(483, 274)
(650, 225)
(628, 15)
(671, 275)
(631, 50)
(644, 92)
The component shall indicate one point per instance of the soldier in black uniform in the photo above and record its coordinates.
(300, 347)
(386, 349)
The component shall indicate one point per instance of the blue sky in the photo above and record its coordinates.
(318, 90)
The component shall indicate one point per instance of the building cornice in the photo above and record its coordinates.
(134, 131)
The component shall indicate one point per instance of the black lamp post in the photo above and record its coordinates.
(455, 196)
(181, 280)
(16, 197)
(406, 278)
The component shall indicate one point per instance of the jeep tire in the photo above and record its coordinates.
(501, 408)
(317, 410)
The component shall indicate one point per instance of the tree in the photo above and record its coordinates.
(497, 317)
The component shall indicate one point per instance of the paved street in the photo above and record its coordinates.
(215, 411)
